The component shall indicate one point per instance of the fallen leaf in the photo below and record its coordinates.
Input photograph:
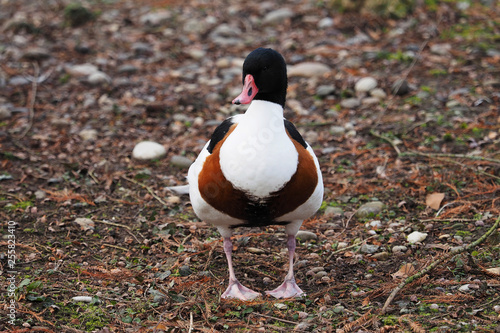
(434, 200)
(404, 271)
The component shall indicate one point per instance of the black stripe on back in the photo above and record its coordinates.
(290, 127)
(219, 133)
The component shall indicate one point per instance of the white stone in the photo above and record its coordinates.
(306, 235)
(378, 93)
(416, 236)
(5, 112)
(88, 134)
(99, 78)
(81, 70)
(278, 16)
(85, 223)
(326, 22)
(308, 69)
(148, 150)
(156, 18)
(365, 84)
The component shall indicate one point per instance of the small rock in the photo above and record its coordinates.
(266, 280)
(370, 101)
(320, 274)
(40, 195)
(142, 48)
(156, 18)
(464, 288)
(333, 211)
(306, 235)
(181, 161)
(325, 90)
(85, 223)
(326, 22)
(400, 87)
(342, 245)
(381, 256)
(88, 134)
(399, 249)
(81, 70)
(127, 69)
(280, 306)
(365, 84)
(35, 54)
(278, 16)
(255, 250)
(185, 271)
(369, 248)
(77, 15)
(369, 209)
(99, 78)
(337, 130)
(416, 236)
(225, 35)
(148, 150)
(434, 306)
(441, 49)
(18, 81)
(5, 112)
(308, 69)
(350, 103)
(85, 299)
(378, 93)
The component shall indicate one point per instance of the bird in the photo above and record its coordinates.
(257, 170)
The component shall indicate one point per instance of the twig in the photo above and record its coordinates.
(437, 262)
(275, 318)
(394, 146)
(34, 86)
(149, 189)
(190, 322)
(113, 224)
(116, 247)
(431, 155)
(348, 247)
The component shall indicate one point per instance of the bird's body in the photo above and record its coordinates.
(257, 170)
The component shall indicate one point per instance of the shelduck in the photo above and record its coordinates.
(257, 170)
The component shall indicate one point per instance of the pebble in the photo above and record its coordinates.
(40, 195)
(81, 70)
(5, 112)
(85, 223)
(255, 250)
(416, 236)
(369, 209)
(342, 245)
(18, 81)
(35, 53)
(156, 18)
(280, 306)
(350, 103)
(441, 49)
(88, 134)
(185, 271)
(337, 130)
(370, 101)
(378, 93)
(278, 16)
(306, 235)
(399, 249)
(266, 280)
(99, 78)
(381, 256)
(127, 69)
(333, 211)
(365, 84)
(325, 90)
(400, 87)
(308, 69)
(181, 161)
(369, 248)
(377, 224)
(320, 274)
(225, 35)
(326, 22)
(148, 150)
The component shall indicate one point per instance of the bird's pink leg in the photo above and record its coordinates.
(235, 288)
(289, 287)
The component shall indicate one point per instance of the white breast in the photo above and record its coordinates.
(259, 157)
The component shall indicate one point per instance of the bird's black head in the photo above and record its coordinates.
(264, 77)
